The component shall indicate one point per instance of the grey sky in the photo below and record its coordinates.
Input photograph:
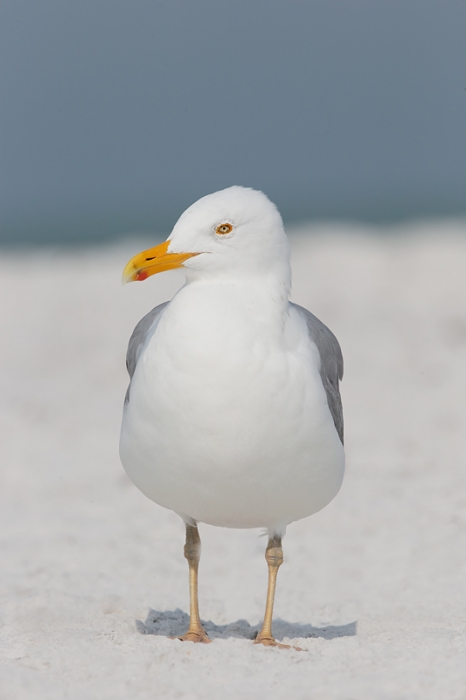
(116, 115)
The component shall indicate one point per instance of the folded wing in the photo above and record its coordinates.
(331, 364)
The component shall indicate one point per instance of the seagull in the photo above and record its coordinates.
(233, 415)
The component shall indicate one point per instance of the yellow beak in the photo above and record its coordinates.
(153, 260)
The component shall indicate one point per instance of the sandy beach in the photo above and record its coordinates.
(373, 588)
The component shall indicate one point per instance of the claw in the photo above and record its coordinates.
(197, 637)
(271, 642)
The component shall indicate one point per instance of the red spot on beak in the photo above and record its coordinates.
(141, 276)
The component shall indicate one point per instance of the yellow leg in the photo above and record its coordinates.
(274, 559)
(192, 552)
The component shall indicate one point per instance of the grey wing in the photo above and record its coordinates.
(137, 340)
(331, 364)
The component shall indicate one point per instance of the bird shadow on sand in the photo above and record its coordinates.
(174, 623)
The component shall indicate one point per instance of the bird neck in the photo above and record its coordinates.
(258, 303)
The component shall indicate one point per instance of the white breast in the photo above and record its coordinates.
(228, 421)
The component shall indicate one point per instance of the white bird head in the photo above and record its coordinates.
(235, 231)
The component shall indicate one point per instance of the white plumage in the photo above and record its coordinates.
(230, 418)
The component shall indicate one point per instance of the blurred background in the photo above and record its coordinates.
(115, 116)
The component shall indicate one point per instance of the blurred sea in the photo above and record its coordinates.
(86, 230)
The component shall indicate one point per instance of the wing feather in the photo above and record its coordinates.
(331, 364)
(137, 340)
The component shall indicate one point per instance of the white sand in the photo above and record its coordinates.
(373, 587)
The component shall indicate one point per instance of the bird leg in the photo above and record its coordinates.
(274, 559)
(192, 552)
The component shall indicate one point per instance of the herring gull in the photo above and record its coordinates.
(233, 414)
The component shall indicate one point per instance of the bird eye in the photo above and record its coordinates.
(223, 229)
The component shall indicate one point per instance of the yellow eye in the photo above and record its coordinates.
(223, 229)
